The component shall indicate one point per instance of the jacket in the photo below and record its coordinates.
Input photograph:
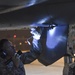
(24, 58)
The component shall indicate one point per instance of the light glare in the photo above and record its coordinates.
(52, 31)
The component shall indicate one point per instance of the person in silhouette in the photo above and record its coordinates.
(12, 62)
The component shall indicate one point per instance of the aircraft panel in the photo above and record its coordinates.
(54, 44)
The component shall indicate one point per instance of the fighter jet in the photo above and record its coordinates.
(54, 15)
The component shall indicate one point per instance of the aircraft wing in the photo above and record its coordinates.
(9, 5)
(21, 13)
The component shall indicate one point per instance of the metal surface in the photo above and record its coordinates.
(42, 12)
(9, 5)
(54, 44)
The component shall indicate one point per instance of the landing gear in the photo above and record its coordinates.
(69, 58)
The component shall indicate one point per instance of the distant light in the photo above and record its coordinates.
(14, 35)
(26, 42)
(20, 43)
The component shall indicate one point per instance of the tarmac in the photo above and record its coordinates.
(36, 68)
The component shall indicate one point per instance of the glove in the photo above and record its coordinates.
(35, 34)
(16, 59)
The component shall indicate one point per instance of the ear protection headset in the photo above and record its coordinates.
(3, 53)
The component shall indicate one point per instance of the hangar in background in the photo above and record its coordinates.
(17, 37)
